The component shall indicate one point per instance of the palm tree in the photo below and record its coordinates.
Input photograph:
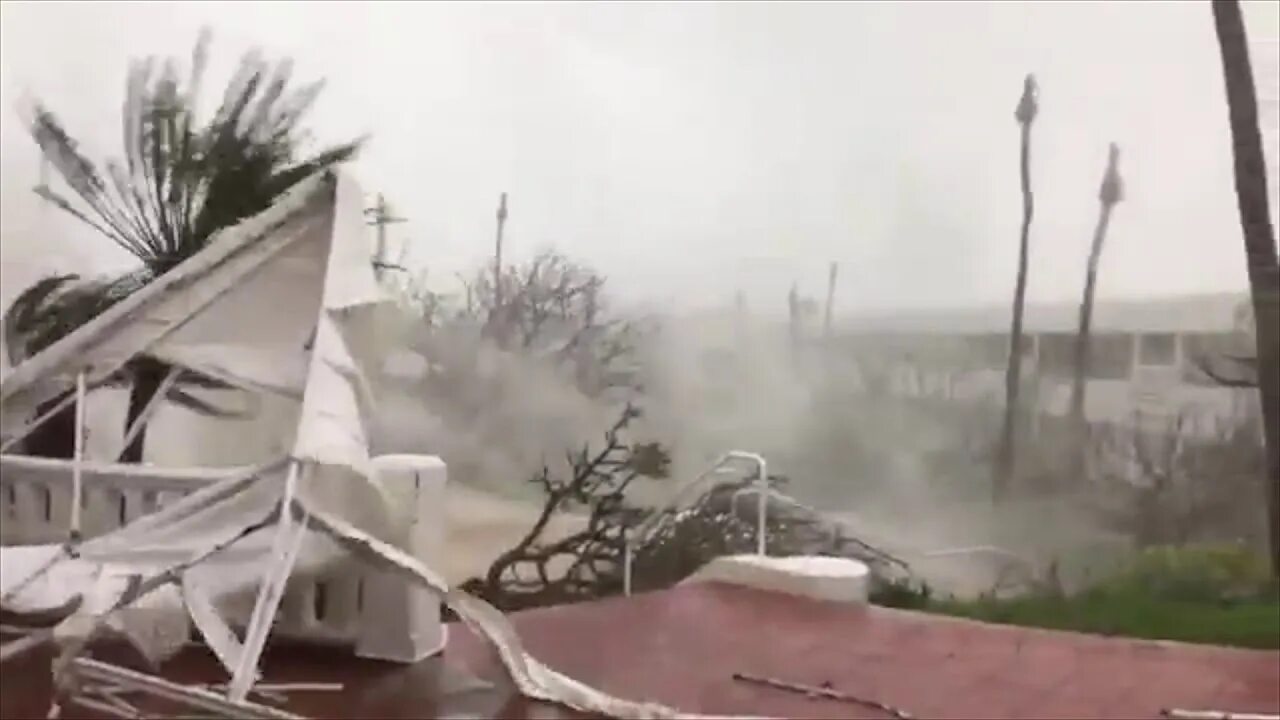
(178, 184)
(1259, 239)
(1112, 192)
(1005, 459)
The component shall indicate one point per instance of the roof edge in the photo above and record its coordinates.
(225, 243)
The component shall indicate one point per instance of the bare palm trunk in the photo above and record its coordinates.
(1109, 195)
(1006, 459)
(148, 375)
(1259, 241)
(831, 299)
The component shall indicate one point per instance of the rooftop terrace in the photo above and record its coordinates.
(683, 647)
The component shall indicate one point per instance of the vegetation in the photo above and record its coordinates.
(1189, 490)
(1244, 623)
(588, 563)
(1218, 595)
(673, 543)
(179, 183)
(549, 315)
(181, 180)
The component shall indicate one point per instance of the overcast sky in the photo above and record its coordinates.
(692, 150)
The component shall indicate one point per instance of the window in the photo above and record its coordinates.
(1028, 345)
(991, 351)
(1058, 354)
(1157, 349)
(1111, 356)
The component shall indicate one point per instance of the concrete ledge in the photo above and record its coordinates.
(816, 577)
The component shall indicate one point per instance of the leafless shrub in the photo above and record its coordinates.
(540, 570)
(1162, 485)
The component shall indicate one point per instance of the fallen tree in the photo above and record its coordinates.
(668, 544)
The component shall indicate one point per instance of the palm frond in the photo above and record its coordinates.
(180, 182)
(27, 312)
(52, 308)
(1245, 373)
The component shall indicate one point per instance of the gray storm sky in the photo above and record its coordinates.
(692, 150)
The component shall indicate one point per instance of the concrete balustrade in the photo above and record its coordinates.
(404, 621)
(376, 614)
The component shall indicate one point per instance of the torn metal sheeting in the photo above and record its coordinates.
(301, 268)
(533, 679)
(87, 670)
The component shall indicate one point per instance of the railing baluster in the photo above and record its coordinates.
(319, 605)
(60, 504)
(98, 511)
(134, 507)
(28, 511)
(296, 616)
(10, 500)
(344, 586)
(36, 507)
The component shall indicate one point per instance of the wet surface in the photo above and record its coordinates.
(438, 687)
(682, 647)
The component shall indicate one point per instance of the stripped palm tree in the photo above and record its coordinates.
(1025, 114)
(1259, 239)
(179, 183)
(1111, 193)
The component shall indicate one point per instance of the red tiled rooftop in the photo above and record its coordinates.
(682, 646)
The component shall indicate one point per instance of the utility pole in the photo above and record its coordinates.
(831, 298)
(497, 253)
(380, 216)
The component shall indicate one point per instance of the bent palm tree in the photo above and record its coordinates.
(1259, 240)
(178, 184)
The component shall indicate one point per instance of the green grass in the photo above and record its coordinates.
(1251, 623)
(1198, 594)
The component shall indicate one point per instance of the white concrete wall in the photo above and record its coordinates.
(178, 437)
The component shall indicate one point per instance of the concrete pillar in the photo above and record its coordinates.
(400, 622)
